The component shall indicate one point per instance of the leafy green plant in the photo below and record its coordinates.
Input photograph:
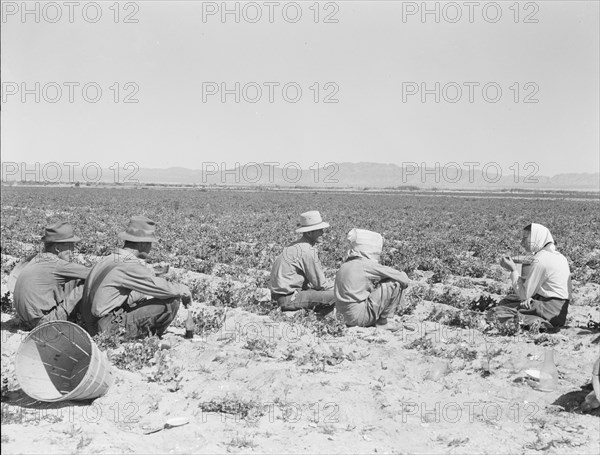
(250, 299)
(5, 389)
(235, 406)
(207, 320)
(110, 339)
(201, 290)
(84, 441)
(242, 442)
(261, 347)
(135, 355)
(225, 293)
(412, 297)
(317, 360)
(495, 287)
(510, 327)
(486, 368)
(291, 352)
(483, 303)
(165, 372)
(455, 318)
(421, 344)
(6, 302)
(330, 325)
(451, 297)
(462, 352)
(463, 282)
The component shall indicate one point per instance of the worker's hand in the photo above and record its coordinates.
(328, 285)
(525, 304)
(404, 281)
(508, 264)
(186, 296)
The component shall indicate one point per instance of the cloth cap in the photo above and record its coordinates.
(365, 241)
(140, 229)
(311, 221)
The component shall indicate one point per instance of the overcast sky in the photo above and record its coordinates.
(374, 58)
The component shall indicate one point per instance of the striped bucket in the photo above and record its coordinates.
(59, 361)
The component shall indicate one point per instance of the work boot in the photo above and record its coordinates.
(323, 310)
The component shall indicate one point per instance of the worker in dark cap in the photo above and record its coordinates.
(123, 293)
(49, 286)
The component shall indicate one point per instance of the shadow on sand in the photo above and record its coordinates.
(571, 401)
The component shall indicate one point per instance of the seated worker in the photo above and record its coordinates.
(49, 286)
(123, 292)
(592, 400)
(366, 292)
(297, 279)
(542, 294)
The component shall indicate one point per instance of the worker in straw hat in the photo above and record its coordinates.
(297, 279)
(366, 292)
(122, 292)
(49, 286)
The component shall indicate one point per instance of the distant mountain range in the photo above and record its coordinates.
(334, 175)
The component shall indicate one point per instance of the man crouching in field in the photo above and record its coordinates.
(122, 292)
(49, 286)
(366, 292)
(297, 280)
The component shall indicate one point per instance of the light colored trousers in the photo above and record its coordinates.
(320, 301)
(381, 303)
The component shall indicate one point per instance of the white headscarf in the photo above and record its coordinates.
(540, 236)
(365, 243)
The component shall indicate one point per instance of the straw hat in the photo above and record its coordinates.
(60, 232)
(140, 229)
(311, 221)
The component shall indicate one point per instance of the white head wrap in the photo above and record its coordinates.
(540, 236)
(365, 243)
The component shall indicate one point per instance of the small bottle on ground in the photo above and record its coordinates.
(189, 325)
(548, 373)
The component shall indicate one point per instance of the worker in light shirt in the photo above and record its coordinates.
(297, 278)
(543, 294)
(367, 292)
(49, 286)
(121, 292)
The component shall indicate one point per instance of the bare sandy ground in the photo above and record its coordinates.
(284, 389)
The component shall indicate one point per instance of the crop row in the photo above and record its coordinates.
(199, 230)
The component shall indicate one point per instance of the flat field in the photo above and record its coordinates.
(256, 380)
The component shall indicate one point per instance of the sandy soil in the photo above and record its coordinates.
(364, 392)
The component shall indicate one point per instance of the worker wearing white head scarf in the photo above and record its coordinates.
(367, 292)
(365, 243)
(545, 290)
(549, 270)
(540, 238)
